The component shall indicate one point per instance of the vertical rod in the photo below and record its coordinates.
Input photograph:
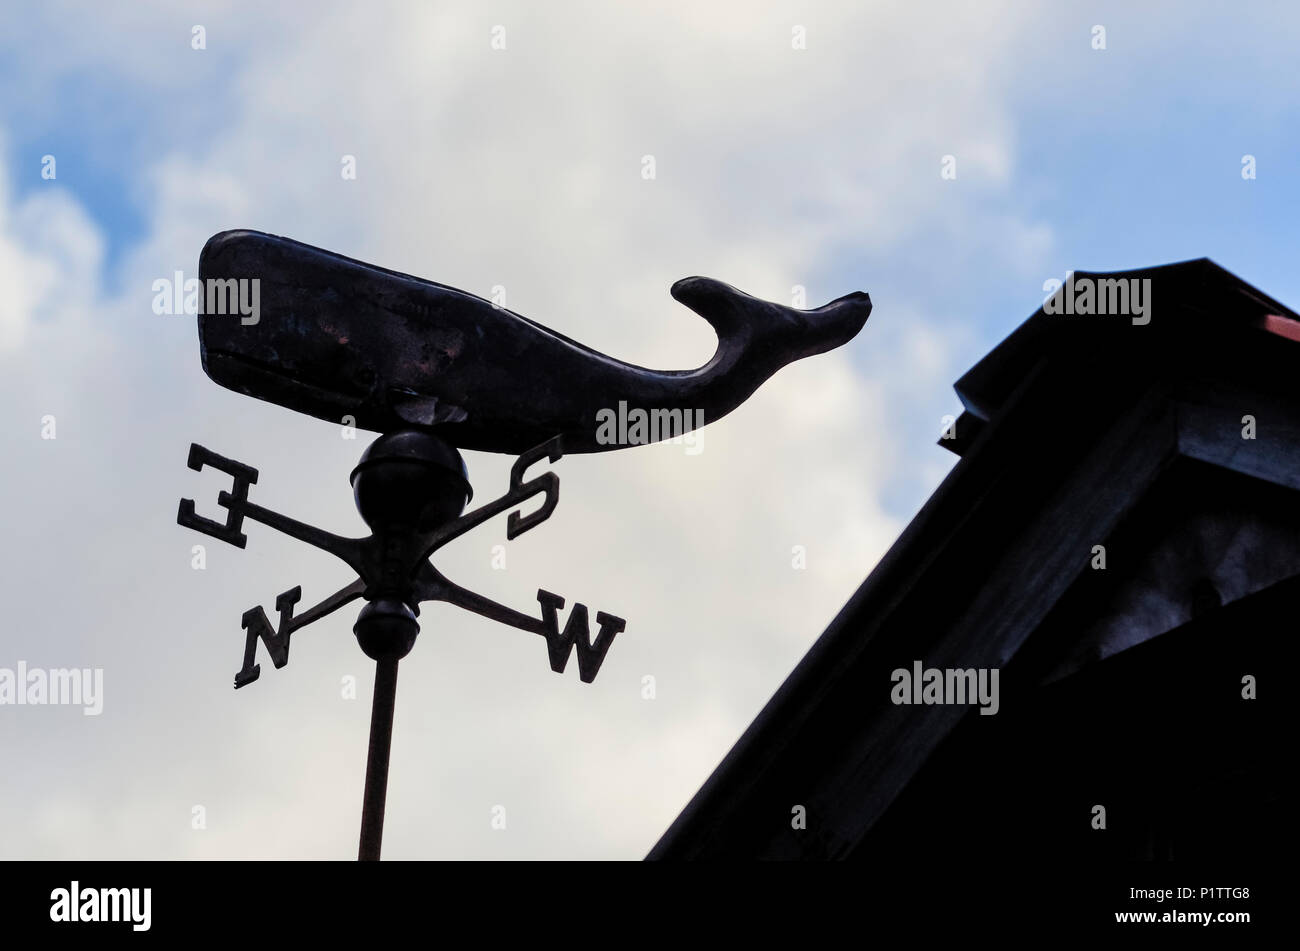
(381, 739)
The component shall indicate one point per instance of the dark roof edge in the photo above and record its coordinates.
(1198, 286)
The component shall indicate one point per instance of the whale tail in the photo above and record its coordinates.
(749, 328)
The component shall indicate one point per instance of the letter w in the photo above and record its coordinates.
(577, 630)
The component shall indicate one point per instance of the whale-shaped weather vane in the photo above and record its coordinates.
(434, 369)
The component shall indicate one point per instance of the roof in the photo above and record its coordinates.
(1078, 431)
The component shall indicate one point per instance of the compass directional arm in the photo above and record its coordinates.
(237, 507)
(482, 514)
(331, 604)
(433, 585)
(519, 491)
(347, 549)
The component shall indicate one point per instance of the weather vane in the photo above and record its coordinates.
(434, 370)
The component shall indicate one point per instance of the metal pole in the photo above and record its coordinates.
(381, 739)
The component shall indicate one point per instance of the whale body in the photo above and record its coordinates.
(360, 345)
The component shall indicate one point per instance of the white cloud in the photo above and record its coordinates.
(476, 168)
(50, 257)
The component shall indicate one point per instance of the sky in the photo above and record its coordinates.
(503, 144)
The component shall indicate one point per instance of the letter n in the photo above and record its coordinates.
(257, 625)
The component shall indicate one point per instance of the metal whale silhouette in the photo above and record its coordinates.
(360, 345)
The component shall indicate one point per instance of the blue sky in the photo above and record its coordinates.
(520, 167)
